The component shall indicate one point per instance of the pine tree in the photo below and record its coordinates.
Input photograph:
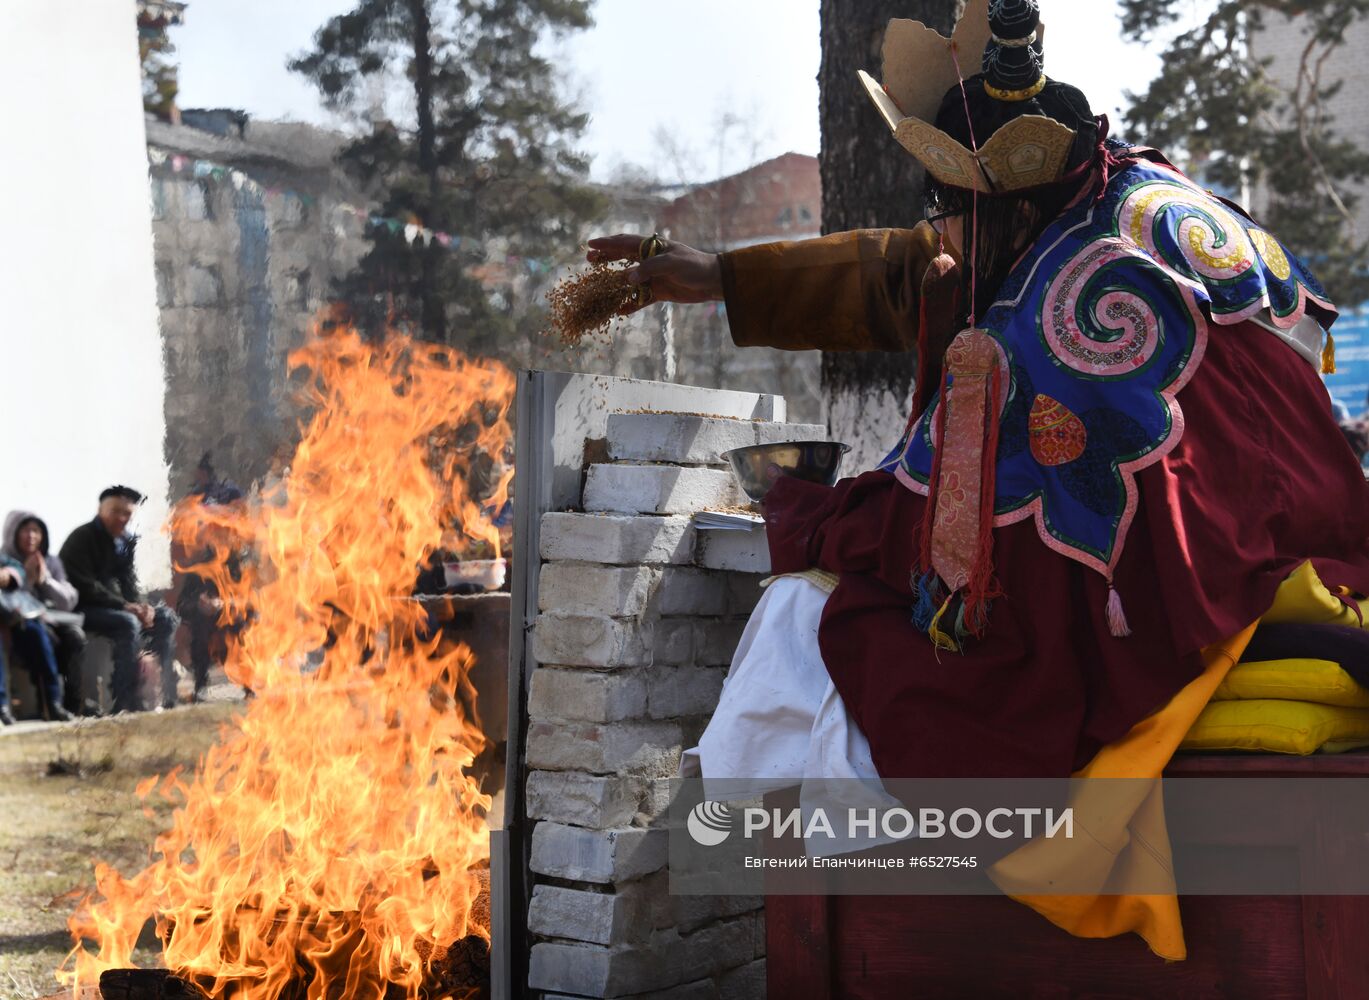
(488, 156)
(160, 83)
(1216, 103)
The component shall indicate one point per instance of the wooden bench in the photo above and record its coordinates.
(97, 672)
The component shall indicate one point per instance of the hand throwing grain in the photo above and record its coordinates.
(588, 303)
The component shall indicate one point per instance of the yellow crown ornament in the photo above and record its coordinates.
(920, 66)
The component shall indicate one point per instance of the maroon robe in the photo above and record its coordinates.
(1261, 481)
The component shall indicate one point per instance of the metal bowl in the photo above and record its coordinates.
(758, 466)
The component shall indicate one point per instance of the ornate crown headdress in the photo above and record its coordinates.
(921, 65)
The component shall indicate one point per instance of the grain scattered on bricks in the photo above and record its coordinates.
(687, 413)
(589, 302)
(734, 509)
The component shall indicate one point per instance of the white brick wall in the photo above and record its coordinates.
(599, 856)
(600, 802)
(687, 439)
(647, 748)
(591, 640)
(617, 538)
(742, 551)
(676, 691)
(592, 917)
(588, 589)
(658, 489)
(562, 693)
(693, 592)
(682, 964)
(640, 616)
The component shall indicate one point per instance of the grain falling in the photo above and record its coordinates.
(587, 303)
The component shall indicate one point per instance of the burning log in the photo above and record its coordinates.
(147, 984)
(463, 971)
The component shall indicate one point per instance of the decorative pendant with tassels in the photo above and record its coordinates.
(957, 530)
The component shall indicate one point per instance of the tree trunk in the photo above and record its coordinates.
(434, 317)
(868, 181)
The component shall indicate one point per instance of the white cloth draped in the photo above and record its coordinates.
(781, 723)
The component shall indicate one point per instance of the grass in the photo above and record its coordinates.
(66, 798)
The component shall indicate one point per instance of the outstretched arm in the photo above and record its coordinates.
(856, 291)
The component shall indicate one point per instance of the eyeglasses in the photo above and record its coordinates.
(938, 221)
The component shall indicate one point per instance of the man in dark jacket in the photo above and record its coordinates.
(199, 604)
(99, 560)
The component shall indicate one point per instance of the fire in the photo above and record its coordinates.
(333, 842)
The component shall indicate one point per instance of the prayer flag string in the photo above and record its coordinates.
(410, 229)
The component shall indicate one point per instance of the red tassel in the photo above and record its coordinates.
(929, 362)
(929, 511)
(983, 587)
(924, 367)
(1117, 617)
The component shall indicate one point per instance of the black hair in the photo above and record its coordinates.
(123, 493)
(1004, 220)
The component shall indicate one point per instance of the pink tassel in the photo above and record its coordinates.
(1117, 617)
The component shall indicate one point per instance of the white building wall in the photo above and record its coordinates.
(81, 369)
(1282, 42)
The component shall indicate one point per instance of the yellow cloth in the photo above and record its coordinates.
(1322, 682)
(1278, 726)
(820, 578)
(1125, 823)
(1303, 599)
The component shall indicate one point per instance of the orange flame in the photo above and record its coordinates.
(333, 842)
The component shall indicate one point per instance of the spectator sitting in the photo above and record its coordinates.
(99, 560)
(199, 604)
(6, 716)
(210, 488)
(26, 542)
(1357, 436)
(31, 641)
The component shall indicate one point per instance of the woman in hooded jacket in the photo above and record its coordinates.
(26, 541)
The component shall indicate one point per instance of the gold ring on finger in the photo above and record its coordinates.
(652, 246)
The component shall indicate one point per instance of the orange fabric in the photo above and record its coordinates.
(1125, 820)
(1127, 834)
(856, 291)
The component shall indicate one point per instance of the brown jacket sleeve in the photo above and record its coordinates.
(856, 291)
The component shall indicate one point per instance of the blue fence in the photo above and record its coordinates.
(1350, 384)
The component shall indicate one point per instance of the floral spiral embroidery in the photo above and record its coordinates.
(1109, 337)
(1183, 225)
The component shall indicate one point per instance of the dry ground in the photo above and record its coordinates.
(66, 800)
